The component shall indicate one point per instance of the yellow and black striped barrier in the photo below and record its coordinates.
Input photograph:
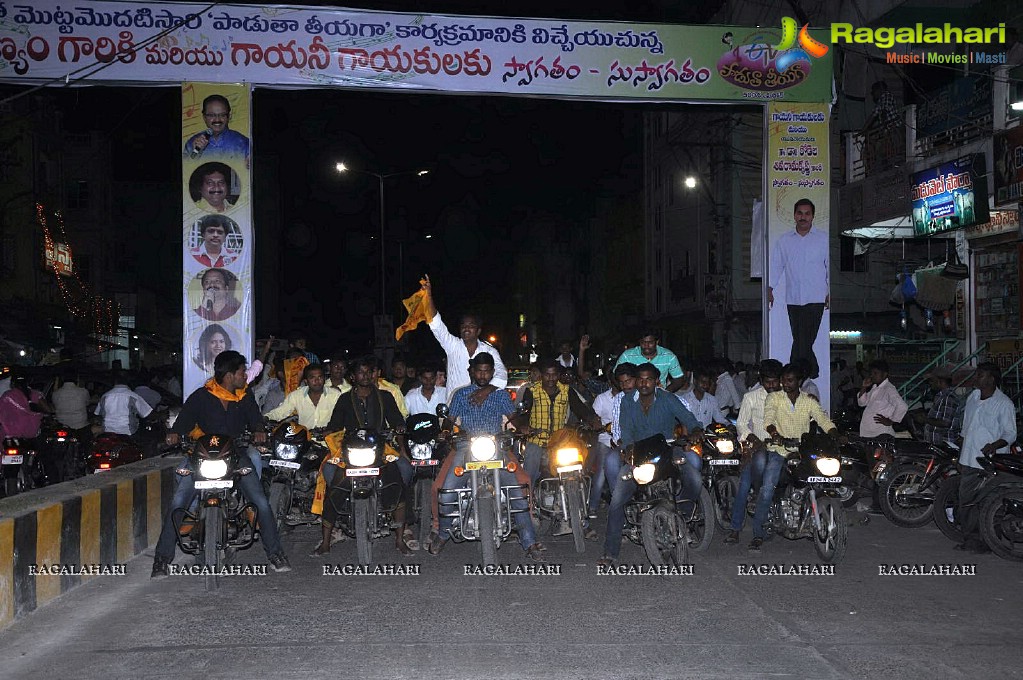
(87, 524)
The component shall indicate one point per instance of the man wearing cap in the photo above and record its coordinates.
(938, 420)
(481, 419)
(881, 402)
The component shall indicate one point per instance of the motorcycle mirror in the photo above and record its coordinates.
(443, 410)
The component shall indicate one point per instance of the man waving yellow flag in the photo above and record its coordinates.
(416, 309)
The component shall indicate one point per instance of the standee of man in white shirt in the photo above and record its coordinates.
(461, 349)
(881, 402)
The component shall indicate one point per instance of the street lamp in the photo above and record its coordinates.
(342, 168)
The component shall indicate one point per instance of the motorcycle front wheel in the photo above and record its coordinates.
(363, 530)
(946, 503)
(424, 509)
(725, 490)
(1001, 522)
(664, 537)
(573, 496)
(213, 533)
(487, 509)
(700, 518)
(902, 512)
(280, 502)
(831, 539)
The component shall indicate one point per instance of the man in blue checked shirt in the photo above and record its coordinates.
(481, 419)
(646, 412)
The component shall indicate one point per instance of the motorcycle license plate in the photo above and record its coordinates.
(484, 465)
(12, 460)
(214, 484)
(362, 472)
(570, 468)
(825, 480)
(285, 464)
(724, 461)
(96, 472)
(425, 463)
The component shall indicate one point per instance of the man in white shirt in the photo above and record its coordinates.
(703, 404)
(460, 350)
(427, 397)
(881, 402)
(121, 408)
(625, 379)
(751, 433)
(565, 356)
(313, 402)
(740, 379)
(989, 428)
(801, 256)
(71, 405)
(727, 396)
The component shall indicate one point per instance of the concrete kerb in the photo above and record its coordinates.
(101, 519)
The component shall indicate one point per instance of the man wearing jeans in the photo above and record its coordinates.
(646, 412)
(751, 432)
(220, 407)
(787, 415)
(481, 419)
(801, 256)
(607, 406)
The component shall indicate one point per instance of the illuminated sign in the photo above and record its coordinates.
(58, 258)
(950, 196)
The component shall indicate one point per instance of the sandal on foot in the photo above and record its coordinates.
(436, 543)
(409, 538)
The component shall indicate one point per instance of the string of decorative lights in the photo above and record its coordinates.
(81, 302)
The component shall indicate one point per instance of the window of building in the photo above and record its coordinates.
(78, 195)
(849, 261)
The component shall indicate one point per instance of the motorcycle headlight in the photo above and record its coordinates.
(644, 474)
(422, 452)
(286, 451)
(725, 446)
(212, 469)
(829, 467)
(483, 448)
(565, 457)
(361, 457)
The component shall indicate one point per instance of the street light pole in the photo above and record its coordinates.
(341, 168)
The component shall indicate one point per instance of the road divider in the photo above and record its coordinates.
(54, 539)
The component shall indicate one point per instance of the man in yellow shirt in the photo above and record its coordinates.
(312, 403)
(787, 415)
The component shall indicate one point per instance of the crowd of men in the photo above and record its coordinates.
(647, 391)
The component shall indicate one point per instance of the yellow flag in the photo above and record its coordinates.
(416, 308)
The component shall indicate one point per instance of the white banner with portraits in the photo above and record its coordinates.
(217, 292)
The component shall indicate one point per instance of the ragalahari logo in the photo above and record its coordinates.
(789, 37)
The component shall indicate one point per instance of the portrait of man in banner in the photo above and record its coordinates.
(799, 259)
(214, 187)
(218, 140)
(214, 294)
(217, 239)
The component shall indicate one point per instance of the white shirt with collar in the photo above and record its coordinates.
(604, 407)
(705, 410)
(458, 357)
(310, 415)
(986, 421)
(417, 402)
(882, 399)
(810, 387)
(727, 396)
(803, 261)
(751, 415)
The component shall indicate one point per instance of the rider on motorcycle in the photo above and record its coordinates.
(751, 432)
(367, 407)
(549, 403)
(787, 415)
(221, 406)
(646, 412)
(486, 418)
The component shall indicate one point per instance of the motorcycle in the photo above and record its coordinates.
(562, 497)
(1001, 508)
(61, 452)
(289, 478)
(720, 453)
(483, 510)
(807, 498)
(367, 507)
(222, 521)
(111, 450)
(16, 463)
(654, 518)
(908, 475)
(426, 453)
